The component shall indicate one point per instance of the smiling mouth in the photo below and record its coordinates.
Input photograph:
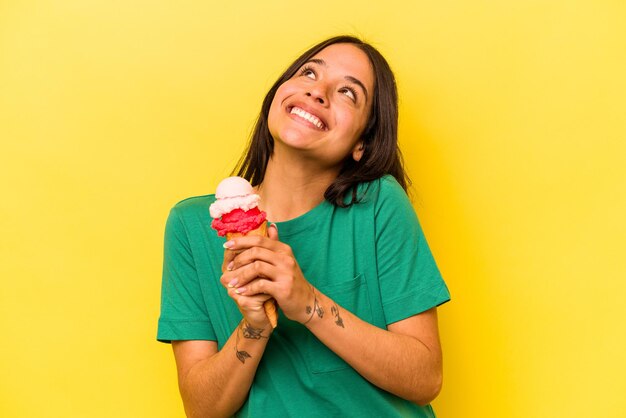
(308, 117)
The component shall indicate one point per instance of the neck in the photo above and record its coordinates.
(292, 188)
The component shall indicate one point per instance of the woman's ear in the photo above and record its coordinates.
(357, 151)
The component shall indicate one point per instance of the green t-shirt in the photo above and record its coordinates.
(370, 258)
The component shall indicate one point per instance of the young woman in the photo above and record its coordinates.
(346, 261)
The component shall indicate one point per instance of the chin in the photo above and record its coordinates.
(292, 139)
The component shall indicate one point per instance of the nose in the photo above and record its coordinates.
(318, 94)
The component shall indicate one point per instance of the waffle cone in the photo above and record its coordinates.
(260, 231)
(269, 305)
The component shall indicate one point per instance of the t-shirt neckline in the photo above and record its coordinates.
(304, 221)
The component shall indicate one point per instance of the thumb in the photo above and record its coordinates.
(272, 232)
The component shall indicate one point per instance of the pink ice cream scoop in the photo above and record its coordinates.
(236, 208)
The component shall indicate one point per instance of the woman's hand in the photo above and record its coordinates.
(250, 306)
(258, 268)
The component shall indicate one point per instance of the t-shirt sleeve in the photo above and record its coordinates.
(183, 314)
(410, 282)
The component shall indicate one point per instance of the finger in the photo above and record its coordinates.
(229, 279)
(253, 254)
(252, 301)
(246, 242)
(229, 255)
(272, 232)
(257, 287)
(234, 295)
(256, 269)
(249, 303)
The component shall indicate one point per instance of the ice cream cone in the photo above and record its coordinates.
(235, 213)
(260, 231)
(269, 305)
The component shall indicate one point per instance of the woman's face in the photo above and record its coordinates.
(323, 109)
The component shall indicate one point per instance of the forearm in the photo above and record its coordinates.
(400, 364)
(218, 386)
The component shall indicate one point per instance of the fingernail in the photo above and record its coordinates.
(233, 283)
(240, 290)
(229, 244)
(230, 265)
(275, 226)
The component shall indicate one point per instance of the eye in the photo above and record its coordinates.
(349, 92)
(308, 72)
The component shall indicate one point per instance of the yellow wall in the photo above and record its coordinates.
(512, 123)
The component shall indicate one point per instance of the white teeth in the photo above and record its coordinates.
(307, 116)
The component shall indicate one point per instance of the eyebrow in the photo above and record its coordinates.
(351, 79)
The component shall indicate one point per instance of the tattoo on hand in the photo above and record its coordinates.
(335, 311)
(316, 309)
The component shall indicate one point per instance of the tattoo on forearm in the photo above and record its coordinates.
(241, 355)
(335, 311)
(248, 332)
(316, 309)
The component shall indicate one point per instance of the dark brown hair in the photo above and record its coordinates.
(381, 154)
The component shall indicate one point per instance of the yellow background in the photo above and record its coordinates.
(513, 127)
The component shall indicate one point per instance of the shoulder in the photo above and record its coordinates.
(193, 204)
(383, 191)
(192, 210)
(390, 188)
(195, 201)
(388, 201)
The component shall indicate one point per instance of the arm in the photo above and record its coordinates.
(404, 360)
(216, 383)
